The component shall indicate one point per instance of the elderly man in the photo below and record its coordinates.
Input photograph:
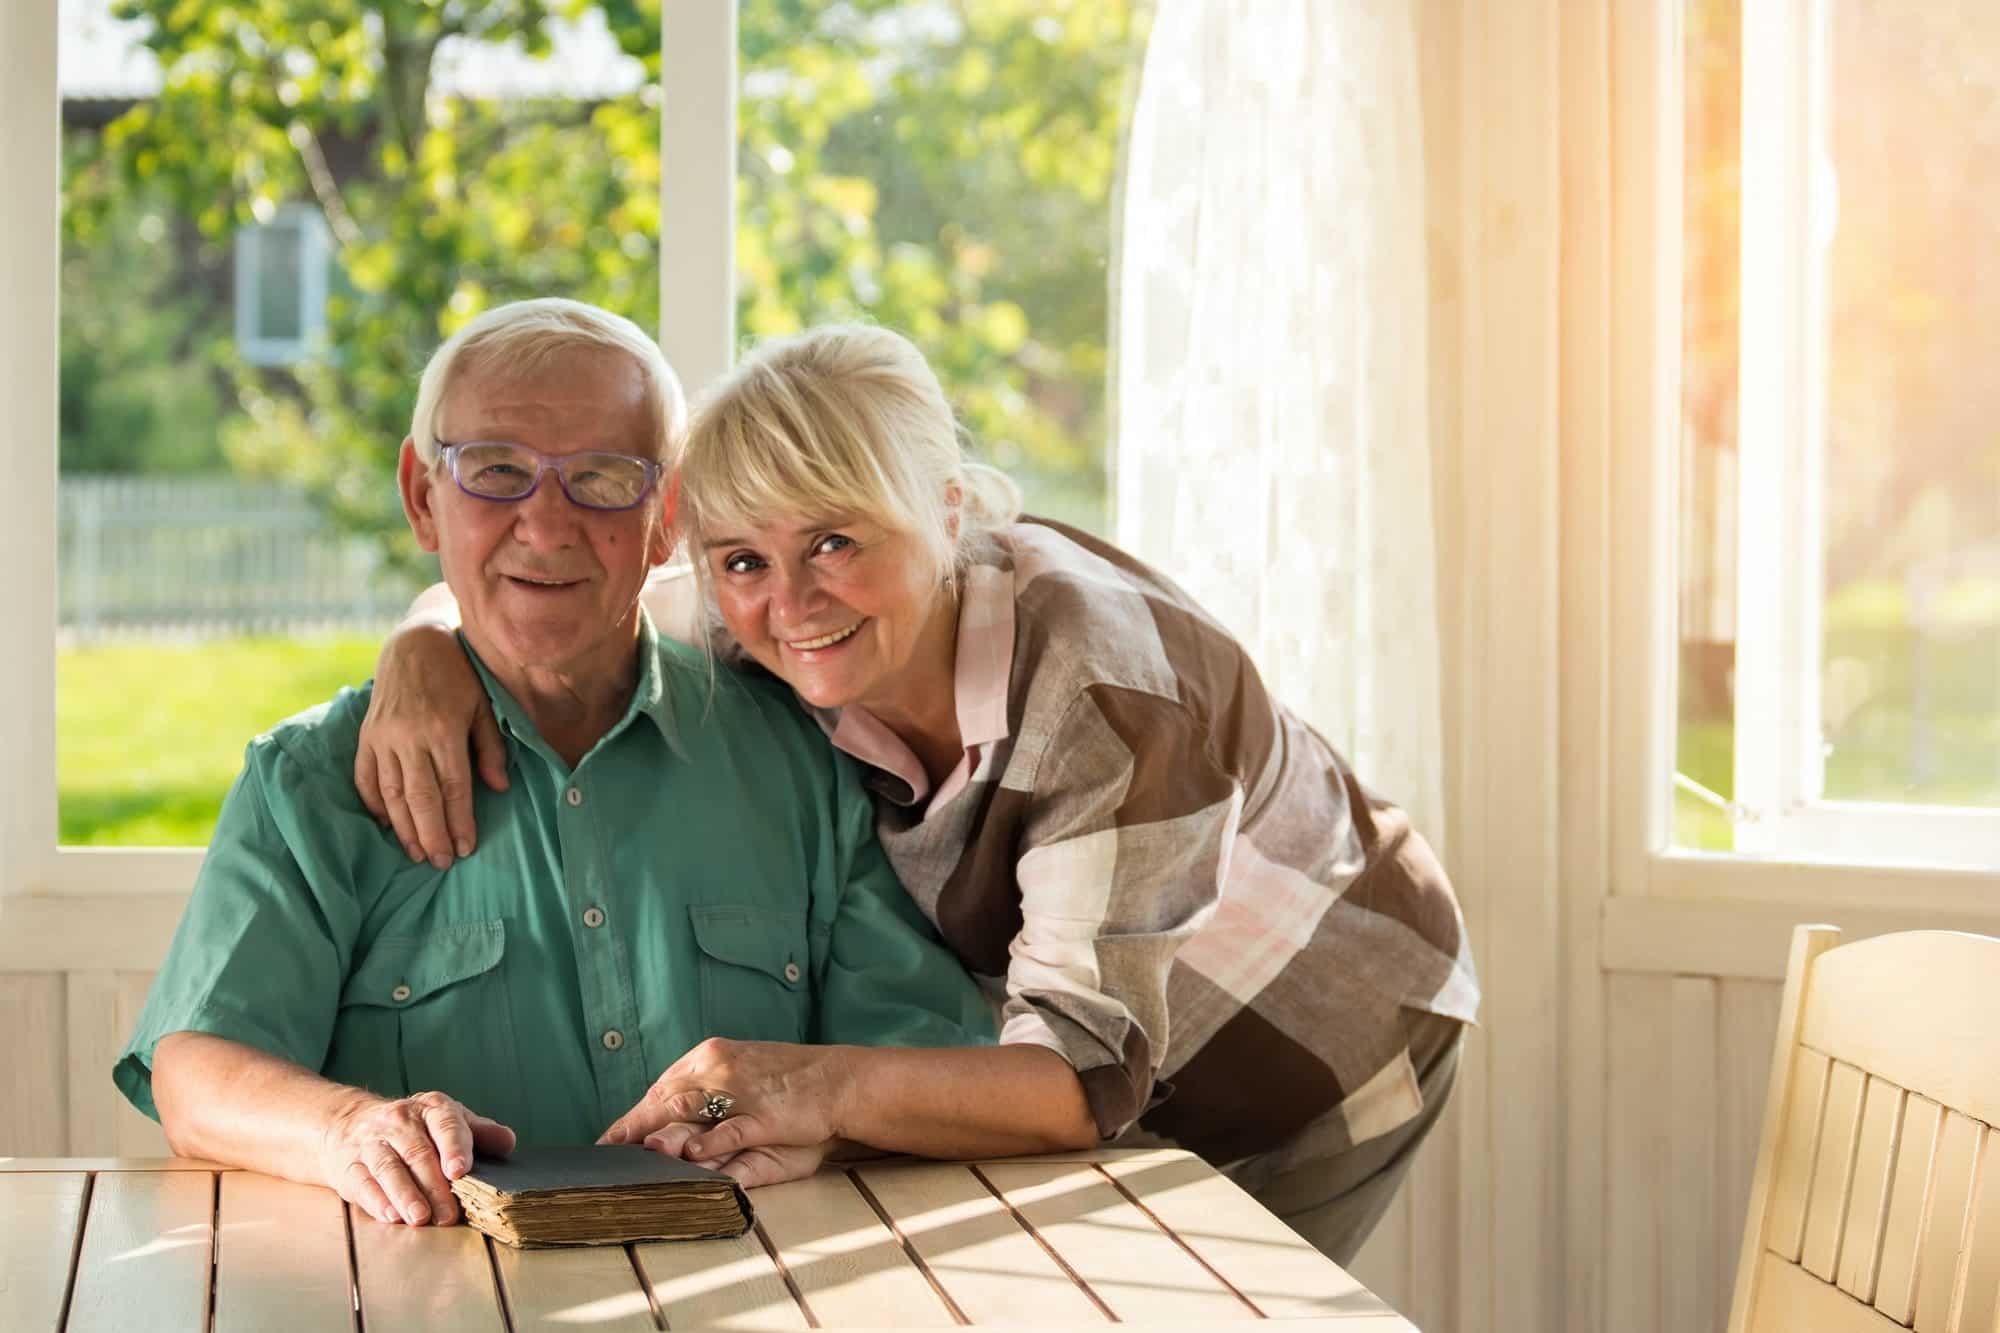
(678, 853)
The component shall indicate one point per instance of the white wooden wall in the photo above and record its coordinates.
(62, 1030)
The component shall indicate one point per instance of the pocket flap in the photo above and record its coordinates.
(753, 937)
(402, 969)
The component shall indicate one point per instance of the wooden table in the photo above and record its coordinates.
(1155, 1240)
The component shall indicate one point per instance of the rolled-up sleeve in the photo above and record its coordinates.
(1125, 852)
(883, 977)
(258, 955)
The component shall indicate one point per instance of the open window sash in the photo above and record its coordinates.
(1789, 214)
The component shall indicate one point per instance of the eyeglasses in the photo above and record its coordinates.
(495, 470)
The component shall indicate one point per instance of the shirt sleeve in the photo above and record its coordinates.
(259, 954)
(884, 978)
(1126, 842)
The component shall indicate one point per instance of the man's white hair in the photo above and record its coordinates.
(525, 335)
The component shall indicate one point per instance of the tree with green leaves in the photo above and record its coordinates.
(943, 168)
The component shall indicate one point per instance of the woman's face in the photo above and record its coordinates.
(843, 611)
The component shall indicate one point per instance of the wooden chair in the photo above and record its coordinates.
(1875, 1204)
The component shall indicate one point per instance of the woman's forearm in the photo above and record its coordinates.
(232, 1103)
(971, 1101)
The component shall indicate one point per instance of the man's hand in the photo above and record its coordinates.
(426, 716)
(788, 1098)
(397, 1159)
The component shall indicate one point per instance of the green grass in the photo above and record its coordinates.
(149, 736)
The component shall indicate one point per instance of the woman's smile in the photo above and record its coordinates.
(815, 647)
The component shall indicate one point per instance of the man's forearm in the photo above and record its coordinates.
(232, 1103)
(973, 1101)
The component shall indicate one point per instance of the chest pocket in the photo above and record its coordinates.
(755, 979)
(428, 1013)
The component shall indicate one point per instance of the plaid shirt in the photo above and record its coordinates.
(1176, 884)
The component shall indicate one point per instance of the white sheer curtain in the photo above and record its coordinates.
(1273, 453)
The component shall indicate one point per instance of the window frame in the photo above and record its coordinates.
(697, 284)
(1640, 538)
(315, 259)
(1788, 210)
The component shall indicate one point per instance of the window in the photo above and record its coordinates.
(281, 273)
(1840, 523)
(268, 224)
(948, 170)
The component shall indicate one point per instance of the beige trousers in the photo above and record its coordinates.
(1334, 1202)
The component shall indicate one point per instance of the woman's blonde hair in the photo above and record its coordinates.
(846, 420)
(526, 335)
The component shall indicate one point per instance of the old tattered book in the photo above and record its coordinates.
(599, 1196)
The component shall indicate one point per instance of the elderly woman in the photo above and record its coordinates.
(1200, 928)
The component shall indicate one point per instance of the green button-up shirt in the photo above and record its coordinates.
(709, 868)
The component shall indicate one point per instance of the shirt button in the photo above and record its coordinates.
(592, 917)
(575, 796)
(791, 971)
(613, 1039)
(400, 994)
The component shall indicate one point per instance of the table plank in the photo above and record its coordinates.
(991, 1268)
(37, 1164)
(1363, 1323)
(1269, 1263)
(423, 1277)
(593, 1286)
(1132, 1266)
(147, 1247)
(281, 1257)
(39, 1218)
(848, 1265)
(718, 1284)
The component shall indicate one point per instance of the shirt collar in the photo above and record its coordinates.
(981, 674)
(650, 696)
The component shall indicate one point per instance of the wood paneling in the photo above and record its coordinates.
(34, 1070)
(103, 1008)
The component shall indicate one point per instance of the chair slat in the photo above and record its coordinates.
(1979, 1298)
(1791, 1300)
(1833, 1172)
(1944, 1225)
(1908, 1007)
(1868, 1205)
(281, 1257)
(1797, 1148)
(1903, 1225)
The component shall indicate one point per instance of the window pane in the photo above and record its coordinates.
(1911, 648)
(278, 275)
(1705, 754)
(231, 542)
(947, 171)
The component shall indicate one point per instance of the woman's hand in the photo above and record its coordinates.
(786, 1098)
(397, 1159)
(412, 766)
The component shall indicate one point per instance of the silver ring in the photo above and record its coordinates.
(717, 1106)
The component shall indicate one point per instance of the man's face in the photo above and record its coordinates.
(543, 583)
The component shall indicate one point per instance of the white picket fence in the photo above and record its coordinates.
(208, 556)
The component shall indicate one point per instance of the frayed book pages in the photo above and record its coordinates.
(605, 1195)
